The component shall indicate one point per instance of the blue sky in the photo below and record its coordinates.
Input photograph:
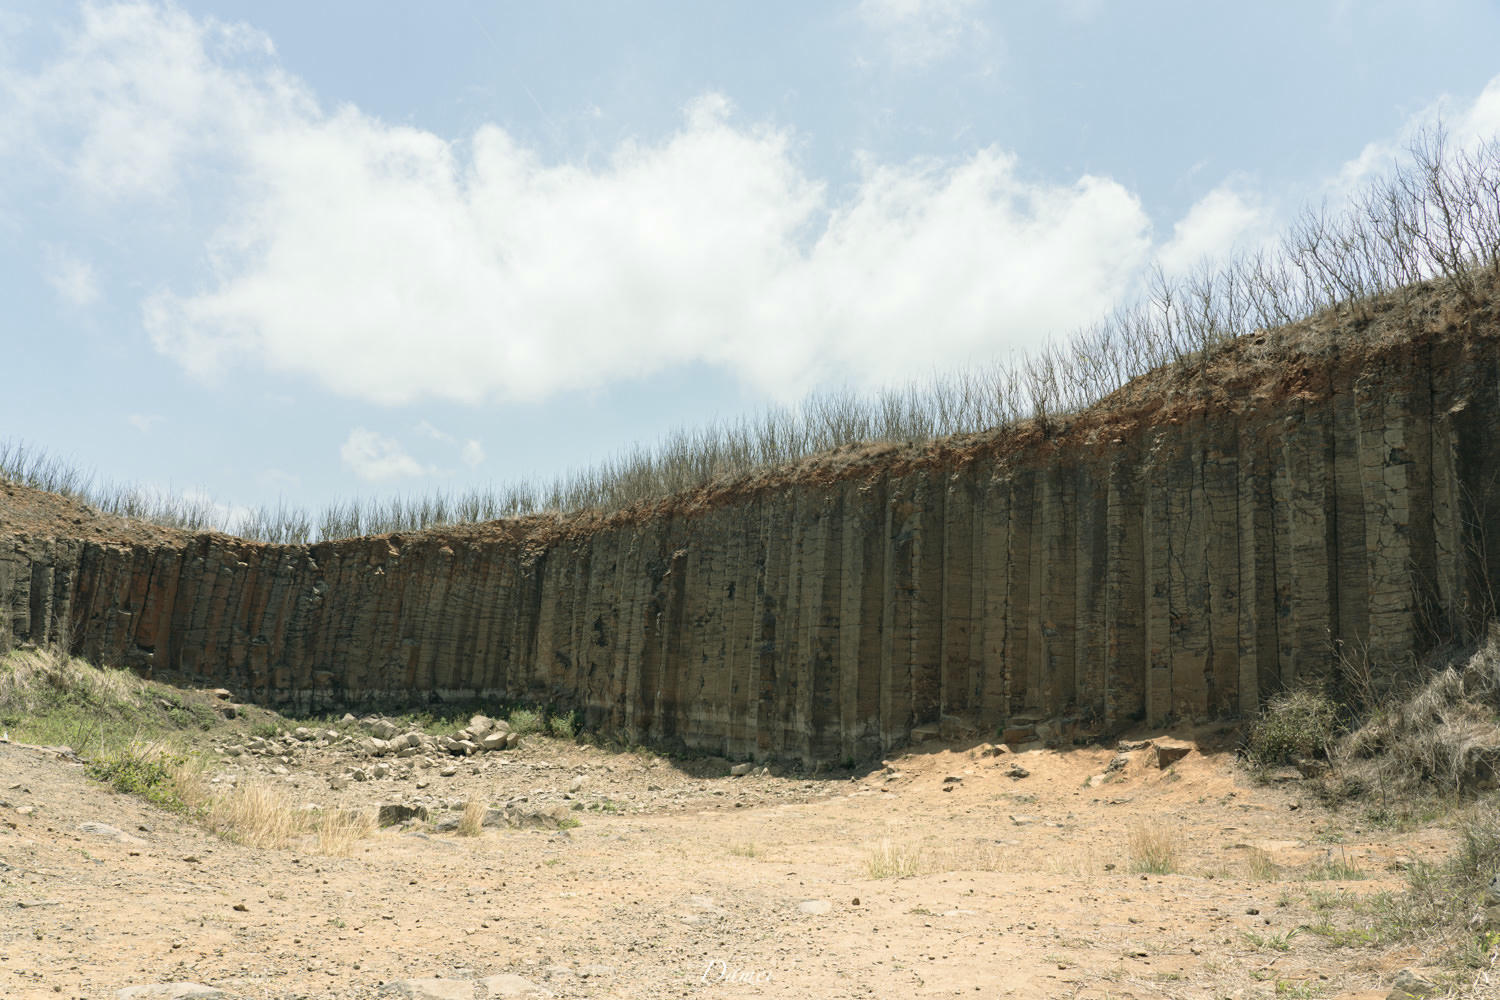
(312, 251)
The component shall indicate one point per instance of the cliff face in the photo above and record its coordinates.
(1180, 555)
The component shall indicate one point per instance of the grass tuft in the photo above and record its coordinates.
(1153, 850)
(472, 821)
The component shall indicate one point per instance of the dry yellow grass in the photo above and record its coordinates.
(338, 830)
(472, 820)
(1153, 849)
(896, 859)
(258, 814)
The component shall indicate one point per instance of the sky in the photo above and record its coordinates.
(288, 252)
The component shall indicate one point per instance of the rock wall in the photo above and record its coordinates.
(1179, 556)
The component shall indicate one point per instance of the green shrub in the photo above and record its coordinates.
(524, 721)
(1298, 724)
(143, 771)
(562, 726)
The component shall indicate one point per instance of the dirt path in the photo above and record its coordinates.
(679, 885)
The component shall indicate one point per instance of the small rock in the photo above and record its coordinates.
(952, 779)
(740, 770)
(113, 833)
(429, 989)
(576, 783)
(169, 991)
(447, 771)
(1410, 986)
(815, 907)
(1019, 820)
(992, 750)
(1130, 746)
(303, 735)
(223, 694)
(493, 741)
(509, 985)
(338, 782)
(1017, 772)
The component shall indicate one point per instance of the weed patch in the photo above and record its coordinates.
(1153, 850)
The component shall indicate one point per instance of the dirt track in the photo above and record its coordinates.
(751, 886)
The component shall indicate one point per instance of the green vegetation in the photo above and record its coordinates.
(54, 700)
(1269, 941)
(564, 727)
(145, 739)
(1296, 725)
(524, 721)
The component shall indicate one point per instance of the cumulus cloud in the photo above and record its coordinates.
(70, 276)
(916, 33)
(1219, 223)
(392, 265)
(375, 458)
(139, 92)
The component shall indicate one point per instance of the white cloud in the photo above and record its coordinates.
(916, 33)
(472, 454)
(144, 422)
(374, 458)
(392, 265)
(140, 91)
(70, 276)
(1218, 224)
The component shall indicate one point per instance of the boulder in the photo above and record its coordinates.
(392, 813)
(1169, 751)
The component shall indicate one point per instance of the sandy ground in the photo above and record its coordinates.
(680, 885)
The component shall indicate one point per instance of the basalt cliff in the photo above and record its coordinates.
(1319, 506)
